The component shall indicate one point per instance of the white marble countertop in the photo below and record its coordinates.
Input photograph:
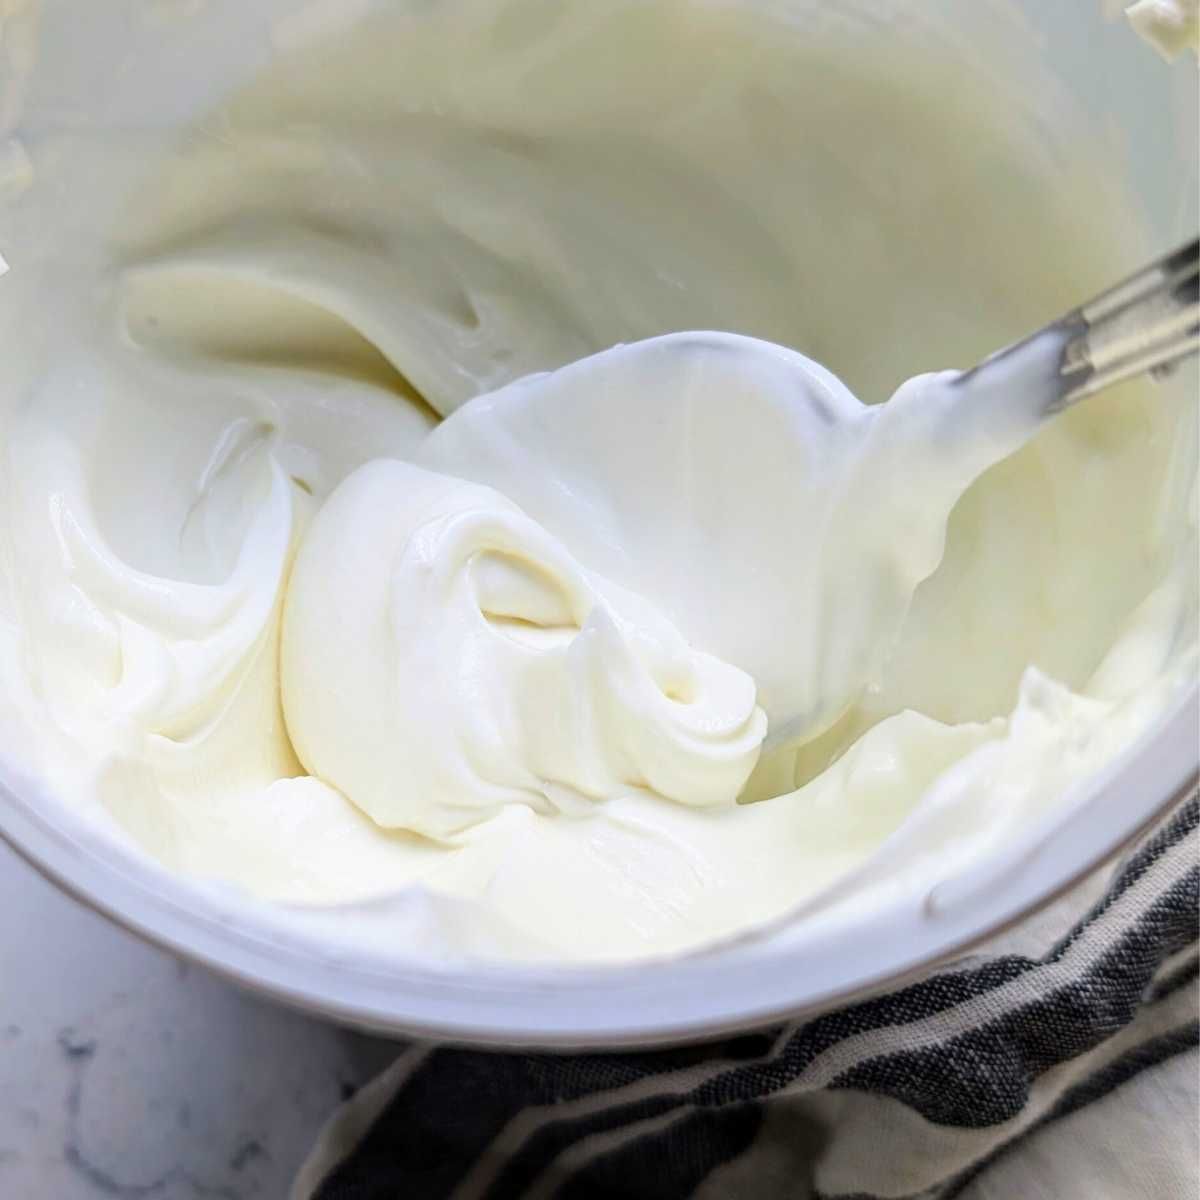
(126, 1073)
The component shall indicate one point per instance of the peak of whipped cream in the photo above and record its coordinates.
(443, 656)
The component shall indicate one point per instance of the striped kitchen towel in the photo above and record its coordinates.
(1060, 1064)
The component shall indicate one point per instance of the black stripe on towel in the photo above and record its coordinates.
(1094, 1087)
(450, 1110)
(1161, 988)
(682, 1155)
(984, 1076)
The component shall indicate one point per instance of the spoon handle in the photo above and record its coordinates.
(1149, 322)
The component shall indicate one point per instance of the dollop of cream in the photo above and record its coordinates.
(1170, 26)
(443, 656)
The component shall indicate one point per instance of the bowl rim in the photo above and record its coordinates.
(742, 985)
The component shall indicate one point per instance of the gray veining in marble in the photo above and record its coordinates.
(127, 1074)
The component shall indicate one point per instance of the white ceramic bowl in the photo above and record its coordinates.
(751, 981)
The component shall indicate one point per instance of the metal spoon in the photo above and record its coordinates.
(1148, 323)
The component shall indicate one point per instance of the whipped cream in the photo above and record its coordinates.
(444, 656)
(345, 565)
(758, 493)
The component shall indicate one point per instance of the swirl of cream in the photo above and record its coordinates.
(444, 656)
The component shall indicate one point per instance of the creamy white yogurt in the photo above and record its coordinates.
(444, 656)
(211, 339)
